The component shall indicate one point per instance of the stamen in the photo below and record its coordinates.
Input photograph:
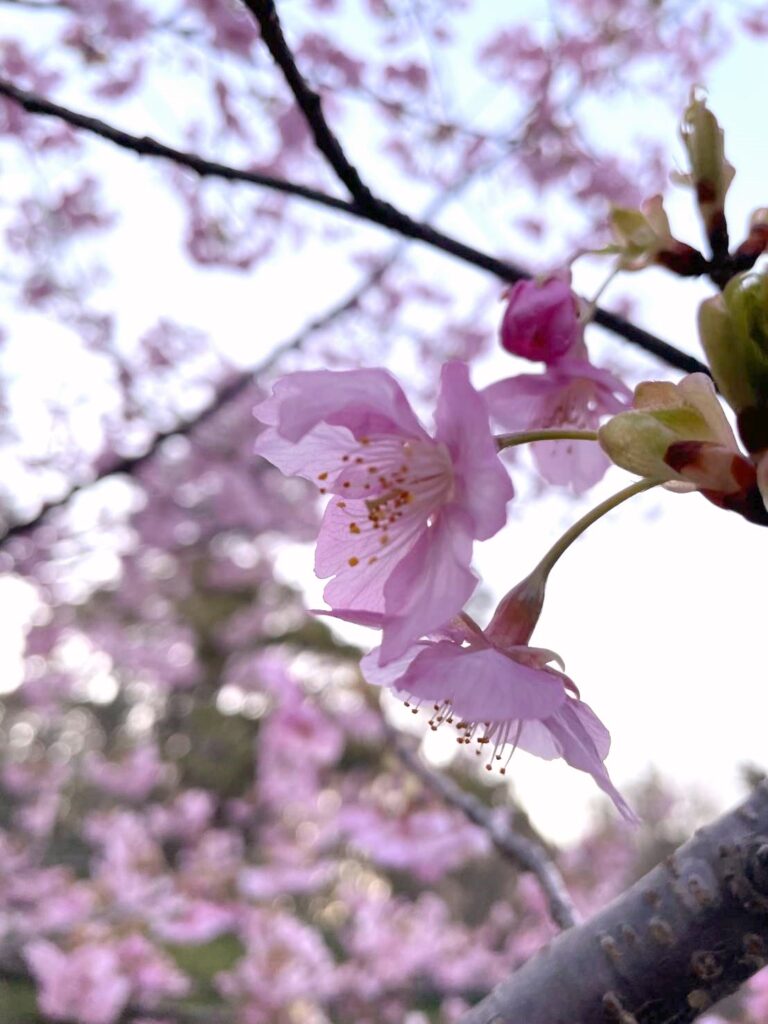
(404, 493)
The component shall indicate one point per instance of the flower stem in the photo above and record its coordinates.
(592, 304)
(548, 561)
(525, 436)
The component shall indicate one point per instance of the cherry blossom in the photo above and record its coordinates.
(405, 508)
(572, 393)
(285, 961)
(500, 693)
(86, 984)
(427, 842)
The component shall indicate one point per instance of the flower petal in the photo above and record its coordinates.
(357, 560)
(483, 487)
(318, 452)
(482, 685)
(365, 401)
(585, 742)
(578, 464)
(517, 403)
(541, 320)
(430, 585)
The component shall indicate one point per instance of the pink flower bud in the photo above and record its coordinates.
(541, 321)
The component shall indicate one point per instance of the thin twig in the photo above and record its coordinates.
(526, 853)
(381, 213)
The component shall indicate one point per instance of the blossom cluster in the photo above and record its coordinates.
(268, 862)
(404, 509)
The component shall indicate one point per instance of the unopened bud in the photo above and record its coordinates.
(647, 441)
(644, 237)
(711, 174)
(734, 333)
(756, 242)
(541, 321)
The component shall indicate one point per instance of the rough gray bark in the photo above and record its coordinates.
(683, 937)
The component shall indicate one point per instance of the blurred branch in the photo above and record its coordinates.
(527, 854)
(379, 212)
(225, 394)
(683, 937)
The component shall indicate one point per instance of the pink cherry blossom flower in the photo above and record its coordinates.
(285, 961)
(270, 881)
(152, 973)
(397, 534)
(428, 842)
(191, 921)
(132, 778)
(500, 692)
(85, 984)
(541, 321)
(572, 393)
(396, 941)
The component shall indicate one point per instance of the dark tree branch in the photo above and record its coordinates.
(309, 101)
(525, 853)
(685, 936)
(381, 213)
(146, 146)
